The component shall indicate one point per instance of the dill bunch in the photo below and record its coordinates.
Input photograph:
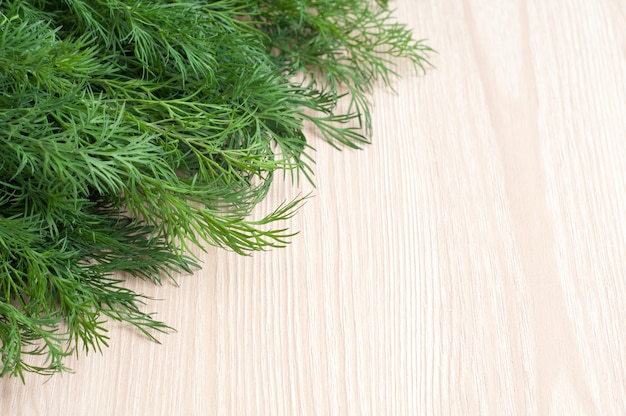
(133, 131)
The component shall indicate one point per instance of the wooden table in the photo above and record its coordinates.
(471, 261)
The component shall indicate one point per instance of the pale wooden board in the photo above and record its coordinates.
(471, 261)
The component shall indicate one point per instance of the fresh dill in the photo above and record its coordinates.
(133, 131)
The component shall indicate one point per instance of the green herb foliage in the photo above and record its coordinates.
(132, 131)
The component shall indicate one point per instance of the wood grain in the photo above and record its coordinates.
(469, 262)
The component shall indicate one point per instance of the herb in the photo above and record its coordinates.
(133, 131)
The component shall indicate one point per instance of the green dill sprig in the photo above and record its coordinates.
(134, 131)
(342, 48)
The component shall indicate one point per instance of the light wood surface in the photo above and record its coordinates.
(471, 261)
